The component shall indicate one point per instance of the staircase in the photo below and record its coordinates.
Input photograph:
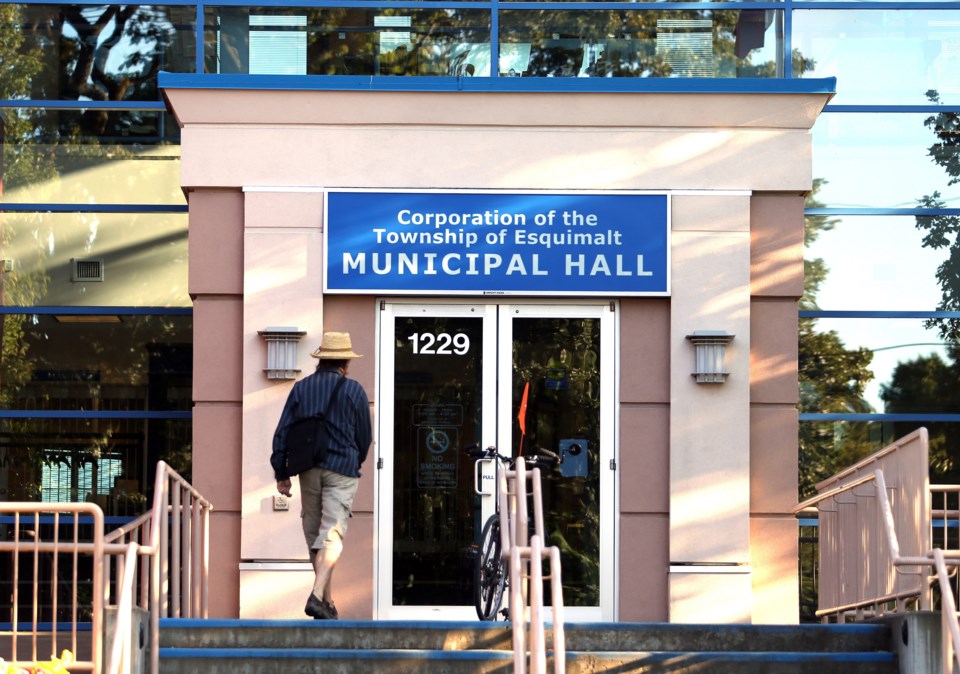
(349, 647)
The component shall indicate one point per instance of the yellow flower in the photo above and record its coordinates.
(53, 666)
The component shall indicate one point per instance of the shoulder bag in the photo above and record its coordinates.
(306, 440)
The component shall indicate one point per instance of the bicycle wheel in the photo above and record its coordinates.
(489, 573)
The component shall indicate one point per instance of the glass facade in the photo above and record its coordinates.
(95, 365)
(879, 321)
(548, 42)
(93, 224)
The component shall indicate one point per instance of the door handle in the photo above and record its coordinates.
(478, 477)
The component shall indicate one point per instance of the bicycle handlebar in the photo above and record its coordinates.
(475, 452)
(544, 456)
(537, 456)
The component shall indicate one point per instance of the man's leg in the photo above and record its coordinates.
(324, 560)
(328, 588)
(337, 500)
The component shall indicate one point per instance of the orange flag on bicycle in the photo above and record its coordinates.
(522, 416)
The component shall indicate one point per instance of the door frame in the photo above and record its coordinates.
(496, 396)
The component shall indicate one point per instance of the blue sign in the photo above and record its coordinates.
(497, 243)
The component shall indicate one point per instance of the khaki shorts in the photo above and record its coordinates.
(327, 498)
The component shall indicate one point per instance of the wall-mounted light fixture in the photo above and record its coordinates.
(281, 352)
(711, 347)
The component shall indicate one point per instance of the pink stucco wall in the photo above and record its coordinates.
(327, 138)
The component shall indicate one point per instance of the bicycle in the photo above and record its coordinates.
(490, 577)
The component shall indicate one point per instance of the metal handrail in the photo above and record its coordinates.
(122, 647)
(949, 629)
(937, 558)
(524, 564)
(167, 578)
(168, 548)
(73, 550)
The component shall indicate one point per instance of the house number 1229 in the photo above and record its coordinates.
(443, 344)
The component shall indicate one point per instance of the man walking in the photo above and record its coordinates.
(327, 489)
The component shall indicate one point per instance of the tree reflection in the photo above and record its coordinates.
(928, 384)
(645, 43)
(97, 53)
(941, 231)
(558, 362)
(832, 377)
(532, 43)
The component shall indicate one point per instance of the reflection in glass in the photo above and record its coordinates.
(556, 362)
(437, 394)
(77, 363)
(355, 41)
(110, 462)
(879, 160)
(142, 258)
(853, 440)
(98, 52)
(892, 270)
(346, 41)
(89, 157)
(889, 343)
(106, 363)
(618, 43)
(882, 56)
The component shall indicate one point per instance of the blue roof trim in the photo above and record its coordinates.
(925, 109)
(818, 416)
(819, 313)
(56, 104)
(86, 414)
(98, 310)
(881, 211)
(93, 208)
(826, 85)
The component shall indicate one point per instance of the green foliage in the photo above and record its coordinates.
(941, 231)
(929, 384)
(558, 40)
(832, 378)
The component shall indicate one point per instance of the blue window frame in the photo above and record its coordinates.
(895, 65)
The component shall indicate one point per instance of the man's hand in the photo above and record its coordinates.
(283, 486)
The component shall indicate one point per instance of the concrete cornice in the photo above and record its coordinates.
(501, 102)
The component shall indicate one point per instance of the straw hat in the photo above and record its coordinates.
(335, 346)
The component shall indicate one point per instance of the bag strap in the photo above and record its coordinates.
(326, 411)
(336, 389)
(333, 396)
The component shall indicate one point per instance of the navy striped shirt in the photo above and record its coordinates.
(348, 423)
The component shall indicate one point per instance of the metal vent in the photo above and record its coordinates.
(86, 270)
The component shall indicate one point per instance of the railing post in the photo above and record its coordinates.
(205, 583)
(175, 556)
(516, 601)
(538, 650)
(98, 588)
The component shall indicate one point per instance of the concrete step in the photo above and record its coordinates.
(460, 636)
(356, 661)
(372, 647)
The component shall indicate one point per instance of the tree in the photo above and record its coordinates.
(51, 52)
(942, 230)
(929, 384)
(570, 43)
(832, 377)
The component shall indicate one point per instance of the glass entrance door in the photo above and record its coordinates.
(520, 376)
